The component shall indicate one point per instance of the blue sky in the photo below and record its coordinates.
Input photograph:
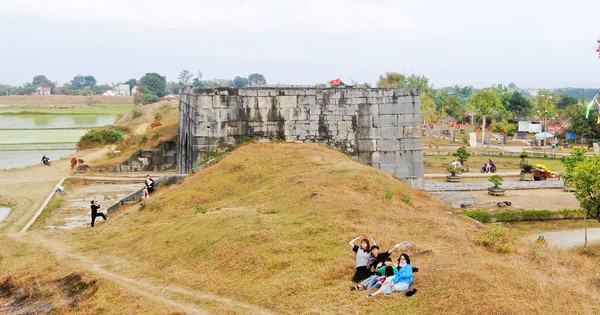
(535, 43)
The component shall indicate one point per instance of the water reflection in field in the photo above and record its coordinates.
(25, 138)
(54, 121)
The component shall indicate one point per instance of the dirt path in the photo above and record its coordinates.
(27, 188)
(171, 295)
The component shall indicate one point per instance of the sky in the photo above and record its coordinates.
(532, 43)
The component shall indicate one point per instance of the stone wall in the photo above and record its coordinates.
(381, 127)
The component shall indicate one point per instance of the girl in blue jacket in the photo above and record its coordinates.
(401, 281)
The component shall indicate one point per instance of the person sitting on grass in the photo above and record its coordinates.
(401, 281)
(376, 261)
(363, 253)
(378, 279)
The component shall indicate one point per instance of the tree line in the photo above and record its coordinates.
(499, 105)
(150, 87)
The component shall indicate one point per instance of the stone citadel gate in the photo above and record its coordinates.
(380, 127)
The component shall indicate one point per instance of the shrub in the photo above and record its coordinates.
(200, 209)
(97, 137)
(497, 240)
(150, 98)
(481, 216)
(136, 114)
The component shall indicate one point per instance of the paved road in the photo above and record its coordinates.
(568, 239)
(545, 184)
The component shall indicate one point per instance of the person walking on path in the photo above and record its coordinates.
(95, 206)
(149, 188)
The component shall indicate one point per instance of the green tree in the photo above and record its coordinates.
(131, 83)
(184, 77)
(153, 83)
(485, 103)
(519, 106)
(41, 80)
(394, 80)
(570, 162)
(80, 81)
(565, 101)
(257, 79)
(544, 105)
(585, 127)
(509, 129)
(586, 179)
(240, 82)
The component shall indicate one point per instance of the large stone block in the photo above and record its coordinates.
(385, 120)
(366, 145)
(411, 144)
(391, 132)
(365, 121)
(388, 145)
(288, 101)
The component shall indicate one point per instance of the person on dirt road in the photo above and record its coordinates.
(95, 206)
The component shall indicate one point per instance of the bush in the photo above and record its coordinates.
(97, 137)
(150, 98)
(496, 180)
(497, 240)
(390, 194)
(462, 155)
(481, 216)
(136, 114)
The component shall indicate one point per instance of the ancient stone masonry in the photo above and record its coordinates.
(381, 127)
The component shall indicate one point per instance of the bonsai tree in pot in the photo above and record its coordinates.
(527, 172)
(454, 171)
(462, 155)
(523, 156)
(496, 190)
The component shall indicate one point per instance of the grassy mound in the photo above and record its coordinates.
(269, 226)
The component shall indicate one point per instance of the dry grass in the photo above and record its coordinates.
(275, 232)
(33, 281)
(60, 100)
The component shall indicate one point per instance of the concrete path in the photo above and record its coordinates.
(568, 239)
(545, 184)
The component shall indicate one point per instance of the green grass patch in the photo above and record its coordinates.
(522, 216)
(55, 203)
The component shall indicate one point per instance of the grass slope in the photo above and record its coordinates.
(269, 225)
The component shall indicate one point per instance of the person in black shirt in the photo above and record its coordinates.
(376, 260)
(95, 206)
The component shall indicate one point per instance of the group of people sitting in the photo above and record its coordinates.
(376, 270)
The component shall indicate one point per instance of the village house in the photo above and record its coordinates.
(42, 90)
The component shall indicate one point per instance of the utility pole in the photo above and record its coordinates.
(546, 124)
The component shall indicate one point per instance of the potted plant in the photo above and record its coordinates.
(454, 171)
(527, 172)
(496, 190)
(523, 156)
(462, 155)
